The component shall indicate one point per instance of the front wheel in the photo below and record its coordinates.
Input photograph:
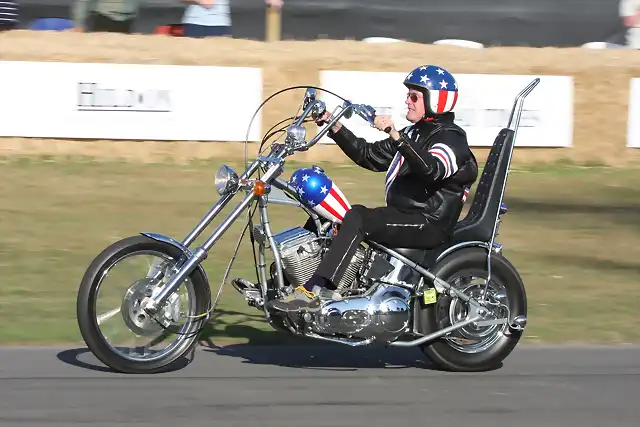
(116, 330)
(474, 348)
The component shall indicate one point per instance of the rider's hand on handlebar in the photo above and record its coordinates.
(385, 124)
(326, 118)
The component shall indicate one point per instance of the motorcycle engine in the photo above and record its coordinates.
(301, 253)
(382, 311)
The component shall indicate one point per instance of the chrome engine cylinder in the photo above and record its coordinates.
(383, 312)
(301, 253)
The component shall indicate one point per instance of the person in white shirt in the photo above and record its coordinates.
(210, 18)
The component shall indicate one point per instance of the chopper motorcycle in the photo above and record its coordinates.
(462, 303)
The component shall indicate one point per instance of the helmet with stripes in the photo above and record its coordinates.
(438, 86)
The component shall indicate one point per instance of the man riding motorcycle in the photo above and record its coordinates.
(429, 169)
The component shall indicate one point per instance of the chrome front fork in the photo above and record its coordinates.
(153, 304)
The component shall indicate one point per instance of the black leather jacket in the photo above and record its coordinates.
(438, 167)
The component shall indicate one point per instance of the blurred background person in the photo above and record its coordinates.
(211, 18)
(8, 14)
(207, 18)
(113, 16)
(630, 14)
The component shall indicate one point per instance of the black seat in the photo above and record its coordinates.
(479, 222)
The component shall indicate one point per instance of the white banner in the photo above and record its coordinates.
(483, 108)
(633, 124)
(129, 101)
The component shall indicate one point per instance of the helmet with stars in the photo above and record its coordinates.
(438, 86)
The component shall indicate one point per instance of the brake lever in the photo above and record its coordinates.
(367, 112)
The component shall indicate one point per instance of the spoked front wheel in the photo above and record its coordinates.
(113, 325)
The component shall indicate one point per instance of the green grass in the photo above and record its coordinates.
(572, 232)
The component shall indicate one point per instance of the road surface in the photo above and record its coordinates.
(249, 386)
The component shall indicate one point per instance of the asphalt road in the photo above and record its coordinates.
(248, 386)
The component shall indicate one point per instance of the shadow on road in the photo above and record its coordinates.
(73, 357)
(326, 356)
(281, 349)
(70, 357)
(277, 348)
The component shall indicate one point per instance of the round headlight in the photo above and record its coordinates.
(226, 180)
(296, 133)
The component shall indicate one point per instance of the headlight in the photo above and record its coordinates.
(296, 134)
(226, 180)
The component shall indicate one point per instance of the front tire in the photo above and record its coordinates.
(487, 354)
(86, 308)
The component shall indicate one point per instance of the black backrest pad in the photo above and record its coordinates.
(479, 222)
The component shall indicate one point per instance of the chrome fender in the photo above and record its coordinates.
(497, 248)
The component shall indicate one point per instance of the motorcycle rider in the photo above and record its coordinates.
(429, 169)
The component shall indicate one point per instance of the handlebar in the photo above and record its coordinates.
(228, 182)
(295, 139)
(367, 112)
(296, 133)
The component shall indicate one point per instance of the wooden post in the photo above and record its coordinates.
(273, 23)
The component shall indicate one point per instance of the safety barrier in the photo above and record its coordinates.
(147, 96)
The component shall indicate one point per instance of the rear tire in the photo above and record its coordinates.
(87, 314)
(456, 265)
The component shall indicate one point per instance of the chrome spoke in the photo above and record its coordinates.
(108, 315)
(135, 334)
(478, 336)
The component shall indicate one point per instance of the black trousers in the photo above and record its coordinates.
(385, 225)
(200, 31)
(101, 23)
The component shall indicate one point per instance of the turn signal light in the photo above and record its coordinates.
(259, 188)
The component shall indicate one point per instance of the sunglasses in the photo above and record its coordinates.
(413, 97)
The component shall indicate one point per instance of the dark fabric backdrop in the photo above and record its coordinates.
(492, 22)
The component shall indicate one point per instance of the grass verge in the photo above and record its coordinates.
(571, 231)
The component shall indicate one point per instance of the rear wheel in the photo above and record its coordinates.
(112, 324)
(474, 348)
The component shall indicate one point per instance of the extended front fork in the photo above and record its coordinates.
(152, 304)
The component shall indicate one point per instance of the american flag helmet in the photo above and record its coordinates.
(319, 193)
(438, 86)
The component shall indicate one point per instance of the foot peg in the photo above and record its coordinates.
(241, 285)
(252, 293)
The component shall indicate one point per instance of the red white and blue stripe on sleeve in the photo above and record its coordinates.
(446, 156)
